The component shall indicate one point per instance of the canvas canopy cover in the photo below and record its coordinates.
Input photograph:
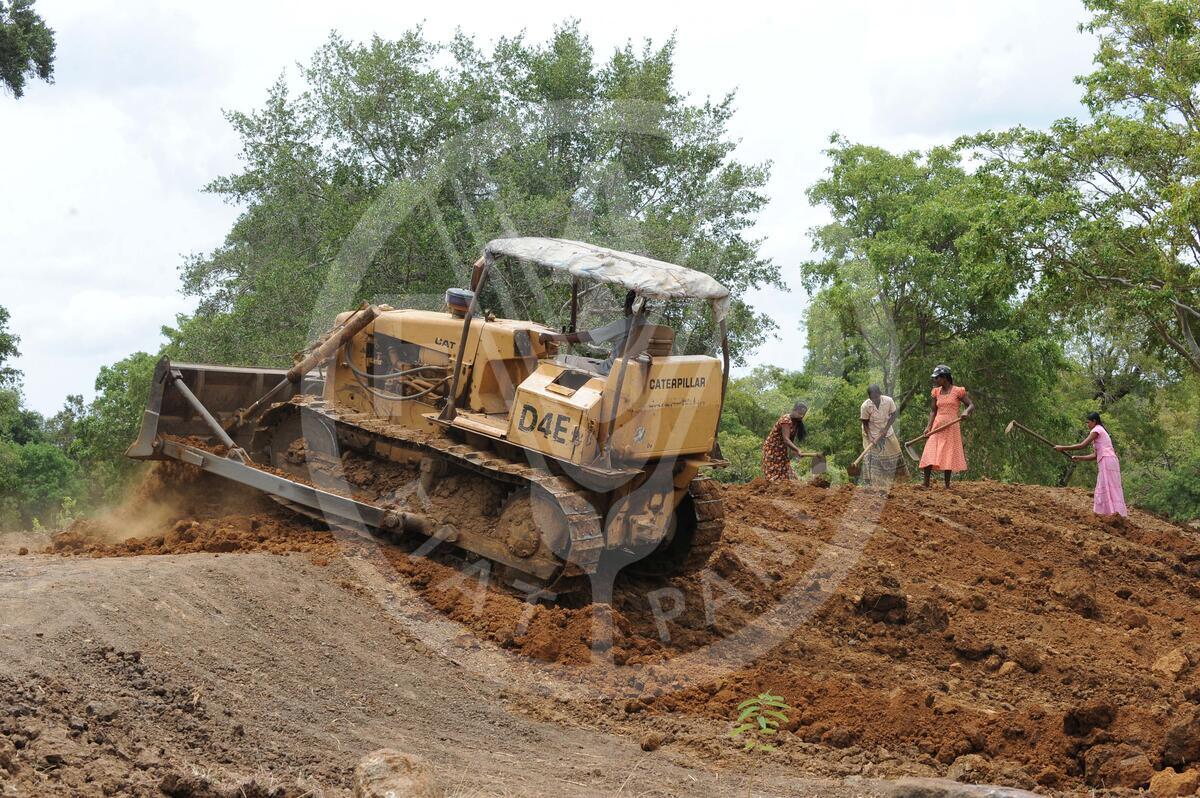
(649, 277)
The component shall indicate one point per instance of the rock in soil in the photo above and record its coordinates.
(1080, 721)
(945, 788)
(1117, 765)
(1181, 746)
(388, 773)
(1169, 784)
(971, 768)
(1170, 665)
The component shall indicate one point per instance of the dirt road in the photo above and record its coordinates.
(208, 671)
(993, 633)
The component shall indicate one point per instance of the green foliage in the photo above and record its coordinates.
(1175, 491)
(398, 159)
(35, 475)
(744, 453)
(43, 461)
(26, 46)
(100, 436)
(18, 424)
(8, 351)
(1108, 211)
(758, 721)
(916, 269)
(911, 262)
(43, 478)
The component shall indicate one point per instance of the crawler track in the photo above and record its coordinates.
(562, 570)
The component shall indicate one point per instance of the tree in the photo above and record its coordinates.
(399, 159)
(1110, 218)
(36, 476)
(919, 266)
(26, 46)
(8, 351)
(100, 435)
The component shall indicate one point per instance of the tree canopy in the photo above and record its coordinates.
(1111, 215)
(8, 351)
(26, 46)
(1056, 271)
(915, 269)
(396, 160)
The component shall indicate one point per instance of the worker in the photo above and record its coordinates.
(616, 332)
(878, 414)
(944, 449)
(1109, 496)
(780, 446)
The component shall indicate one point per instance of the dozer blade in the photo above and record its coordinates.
(332, 508)
(221, 391)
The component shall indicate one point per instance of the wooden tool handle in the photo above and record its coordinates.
(864, 453)
(1046, 441)
(934, 431)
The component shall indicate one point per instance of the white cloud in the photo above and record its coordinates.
(100, 173)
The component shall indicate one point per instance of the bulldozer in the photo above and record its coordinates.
(479, 433)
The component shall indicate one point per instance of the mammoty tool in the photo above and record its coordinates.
(908, 444)
(1017, 424)
(819, 464)
(854, 469)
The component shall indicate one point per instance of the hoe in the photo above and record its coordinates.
(1014, 424)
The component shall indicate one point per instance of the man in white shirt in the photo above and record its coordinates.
(878, 414)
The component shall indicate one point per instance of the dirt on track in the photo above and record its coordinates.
(992, 633)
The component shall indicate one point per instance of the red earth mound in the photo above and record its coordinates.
(177, 509)
(996, 632)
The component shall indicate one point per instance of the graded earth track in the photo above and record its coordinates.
(993, 633)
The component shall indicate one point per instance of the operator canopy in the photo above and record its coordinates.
(649, 277)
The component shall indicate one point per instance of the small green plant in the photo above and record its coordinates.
(758, 721)
(67, 514)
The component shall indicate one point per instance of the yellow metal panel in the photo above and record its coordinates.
(668, 407)
(560, 426)
(435, 332)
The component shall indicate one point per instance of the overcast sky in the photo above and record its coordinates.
(100, 172)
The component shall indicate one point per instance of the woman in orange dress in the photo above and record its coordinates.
(780, 446)
(944, 449)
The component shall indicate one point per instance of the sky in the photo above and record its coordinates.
(101, 171)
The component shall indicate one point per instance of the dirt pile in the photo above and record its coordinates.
(1004, 623)
(993, 632)
(177, 509)
(990, 633)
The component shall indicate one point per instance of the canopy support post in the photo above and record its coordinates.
(635, 328)
(723, 326)
(574, 305)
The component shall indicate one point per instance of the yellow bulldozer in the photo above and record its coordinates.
(478, 432)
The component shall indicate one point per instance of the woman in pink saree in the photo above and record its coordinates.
(1109, 498)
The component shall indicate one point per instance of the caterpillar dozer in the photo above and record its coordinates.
(476, 432)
